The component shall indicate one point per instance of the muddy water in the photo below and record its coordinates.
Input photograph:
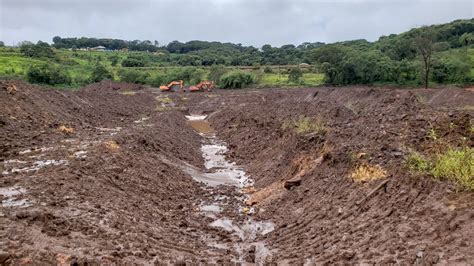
(219, 171)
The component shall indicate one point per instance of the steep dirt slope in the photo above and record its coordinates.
(326, 217)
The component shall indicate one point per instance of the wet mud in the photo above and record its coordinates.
(118, 173)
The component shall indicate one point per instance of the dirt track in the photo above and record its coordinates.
(102, 175)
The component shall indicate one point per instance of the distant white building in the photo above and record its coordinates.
(98, 48)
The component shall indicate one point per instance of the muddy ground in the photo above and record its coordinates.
(109, 174)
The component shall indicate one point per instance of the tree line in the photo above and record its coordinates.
(436, 53)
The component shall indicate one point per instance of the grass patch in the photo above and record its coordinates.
(365, 173)
(456, 165)
(281, 80)
(166, 99)
(305, 125)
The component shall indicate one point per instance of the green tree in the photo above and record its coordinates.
(295, 75)
(236, 80)
(47, 74)
(41, 49)
(133, 62)
(100, 72)
(133, 76)
(114, 60)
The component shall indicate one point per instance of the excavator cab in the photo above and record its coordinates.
(173, 86)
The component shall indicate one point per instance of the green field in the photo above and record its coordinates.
(79, 65)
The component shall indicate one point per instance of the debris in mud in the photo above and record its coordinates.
(294, 182)
(65, 130)
(367, 172)
(111, 145)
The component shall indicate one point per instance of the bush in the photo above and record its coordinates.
(236, 80)
(100, 72)
(450, 70)
(267, 70)
(41, 49)
(133, 62)
(133, 76)
(295, 75)
(47, 74)
(216, 72)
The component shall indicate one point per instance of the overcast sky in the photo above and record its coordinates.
(250, 22)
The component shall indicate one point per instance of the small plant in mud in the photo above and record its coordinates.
(456, 165)
(367, 172)
(417, 163)
(164, 99)
(305, 125)
(432, 134)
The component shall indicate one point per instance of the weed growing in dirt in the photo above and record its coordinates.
(164, 99)
(417, 163)
(368, 172)
(432, 134)
(456, 165)
(305, 125)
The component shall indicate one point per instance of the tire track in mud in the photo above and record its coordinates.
(236, 220)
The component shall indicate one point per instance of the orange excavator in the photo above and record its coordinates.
(172, 85)
(203, 86)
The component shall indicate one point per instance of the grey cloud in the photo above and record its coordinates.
(250, 22)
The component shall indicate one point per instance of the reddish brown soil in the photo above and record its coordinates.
(122, 197)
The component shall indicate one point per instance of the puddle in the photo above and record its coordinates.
(10, 197)
(219, 171)
(80, 154)
(36, 166)
(141, 120)
(200, 125)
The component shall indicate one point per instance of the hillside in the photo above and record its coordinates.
(392, 59)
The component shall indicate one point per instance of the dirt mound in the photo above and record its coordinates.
(328, 217)
(104, 175)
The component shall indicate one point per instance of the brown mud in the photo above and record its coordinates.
(116, 174)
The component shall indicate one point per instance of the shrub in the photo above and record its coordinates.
(417, 163)
(47, 74)
(236, 80)
(41, 49)
(267, 70)
(133, 76)
(295, 75)
(133, 62)
(216, 72)
(100, 72)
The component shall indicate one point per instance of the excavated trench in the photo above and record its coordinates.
(134, 182)
(220, 172)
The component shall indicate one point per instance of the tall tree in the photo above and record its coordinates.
(424, 45)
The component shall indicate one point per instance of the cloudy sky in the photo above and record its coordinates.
(250, 22)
